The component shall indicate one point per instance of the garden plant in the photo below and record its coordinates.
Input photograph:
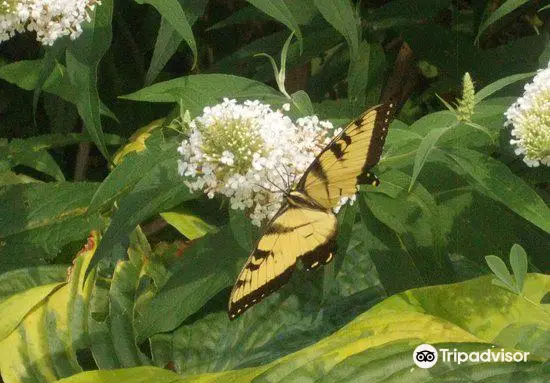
(146, 145)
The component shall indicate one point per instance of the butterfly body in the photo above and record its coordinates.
(305, 227)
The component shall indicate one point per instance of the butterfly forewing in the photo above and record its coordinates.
(295, 233)
(346, 161)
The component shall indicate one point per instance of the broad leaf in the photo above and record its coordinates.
(420, 235)
(158, 188)
(14, 308)
(341, 15)
(209, 266)
(280, 12)
(497, 181)
(172, 12)
(83, 57)
(37, 220)
(17, 281)
(377, 345)
(365, 71)
(424, 150)
(499, 84)
(71, 320)
(197, 91)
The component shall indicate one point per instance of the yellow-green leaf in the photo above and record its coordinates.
(14, 309)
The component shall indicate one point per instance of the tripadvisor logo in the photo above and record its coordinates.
(426, 356)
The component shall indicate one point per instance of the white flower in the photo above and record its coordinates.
(50, 19)
(529, 117)
(250, 154)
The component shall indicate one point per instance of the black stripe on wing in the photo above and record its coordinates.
(321, 255)
(384, 116)
(237, 308)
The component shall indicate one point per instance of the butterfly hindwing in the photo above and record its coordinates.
(295, 233)
(347, 160)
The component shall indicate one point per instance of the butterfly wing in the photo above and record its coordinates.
(295, 233)
(347, 160)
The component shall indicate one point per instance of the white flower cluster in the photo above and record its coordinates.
(250, 153)
(50, 19)
(529, 117)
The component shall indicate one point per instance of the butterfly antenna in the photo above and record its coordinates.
(282, 178)
(290, 177)
(274, 185)
(269, 190)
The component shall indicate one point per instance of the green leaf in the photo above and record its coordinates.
(159, 188)
(70, 320)
(37, 220)
(497, 181)
(39, 160)
(280, 12)
(197, 91)
(26, 73)
(169, 39)
(415, 220)
(50, 59)
(16, 281)
(14, 308)
(122, 294)
(7, 177)
(518, 261)
(481, 128)
(503, 10)
(303, 103)
(498, 267)
(447, 105)
(245, 233)
(205, 270)
(127, 375)
(346, 222)
(186, 221)
(424, 149)
(341, 15)
(378, 344)
(167, 43)
(83, 57)
(130, 171)
(487, 121)
(473, 224)
(365, 70)
(172, 11)
(499, 84)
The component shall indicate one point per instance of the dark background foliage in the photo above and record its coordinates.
(85, 146)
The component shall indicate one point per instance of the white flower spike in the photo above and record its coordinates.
(250, 154)
(529, 118)
(50, 19)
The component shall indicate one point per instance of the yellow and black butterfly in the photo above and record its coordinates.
(305, 227)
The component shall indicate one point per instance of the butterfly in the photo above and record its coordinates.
(305, 226)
